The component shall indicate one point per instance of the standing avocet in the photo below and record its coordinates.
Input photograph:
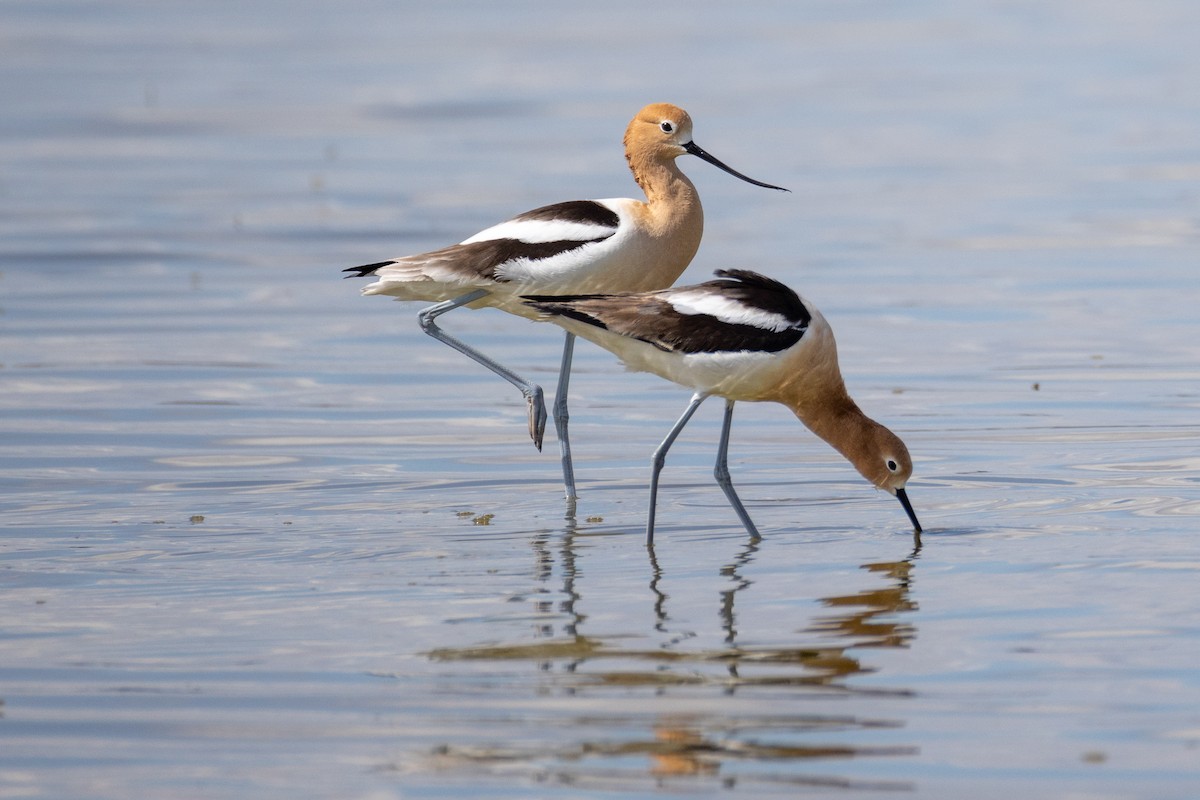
(576, 247)
(743, 336)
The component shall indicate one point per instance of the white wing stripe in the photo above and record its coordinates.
(728, 310)
(541, 231)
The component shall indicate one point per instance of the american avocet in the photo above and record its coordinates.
(743, 336)
(581, 246)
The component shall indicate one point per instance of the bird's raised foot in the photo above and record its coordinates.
(537, 416)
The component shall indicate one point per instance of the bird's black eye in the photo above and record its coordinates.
(891, 465)
(667, 126)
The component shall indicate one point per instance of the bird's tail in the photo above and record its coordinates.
(366, 269)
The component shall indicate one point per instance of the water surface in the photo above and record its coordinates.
(262, 538)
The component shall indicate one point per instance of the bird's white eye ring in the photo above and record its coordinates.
(667, 126)
(891, 465)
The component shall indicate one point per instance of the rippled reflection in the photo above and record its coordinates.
(738, 713)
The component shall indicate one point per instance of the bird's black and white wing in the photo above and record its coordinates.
(533, 239)
(739, 311)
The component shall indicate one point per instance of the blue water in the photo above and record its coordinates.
(260, 537)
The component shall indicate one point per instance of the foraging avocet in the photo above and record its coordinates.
(743, 336)
(576, 247)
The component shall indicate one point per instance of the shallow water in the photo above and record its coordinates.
(262, 538)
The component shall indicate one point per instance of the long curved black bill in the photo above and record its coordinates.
(702, 154)
(902, 496)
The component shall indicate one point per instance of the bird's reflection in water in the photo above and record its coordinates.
(616, 719)
(865, 616)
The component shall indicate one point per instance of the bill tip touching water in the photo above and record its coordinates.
(575, 247)
(742, 336)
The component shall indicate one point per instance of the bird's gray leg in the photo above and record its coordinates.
(660, 457)
(531, 391)
(561, 416)
(721, 473)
